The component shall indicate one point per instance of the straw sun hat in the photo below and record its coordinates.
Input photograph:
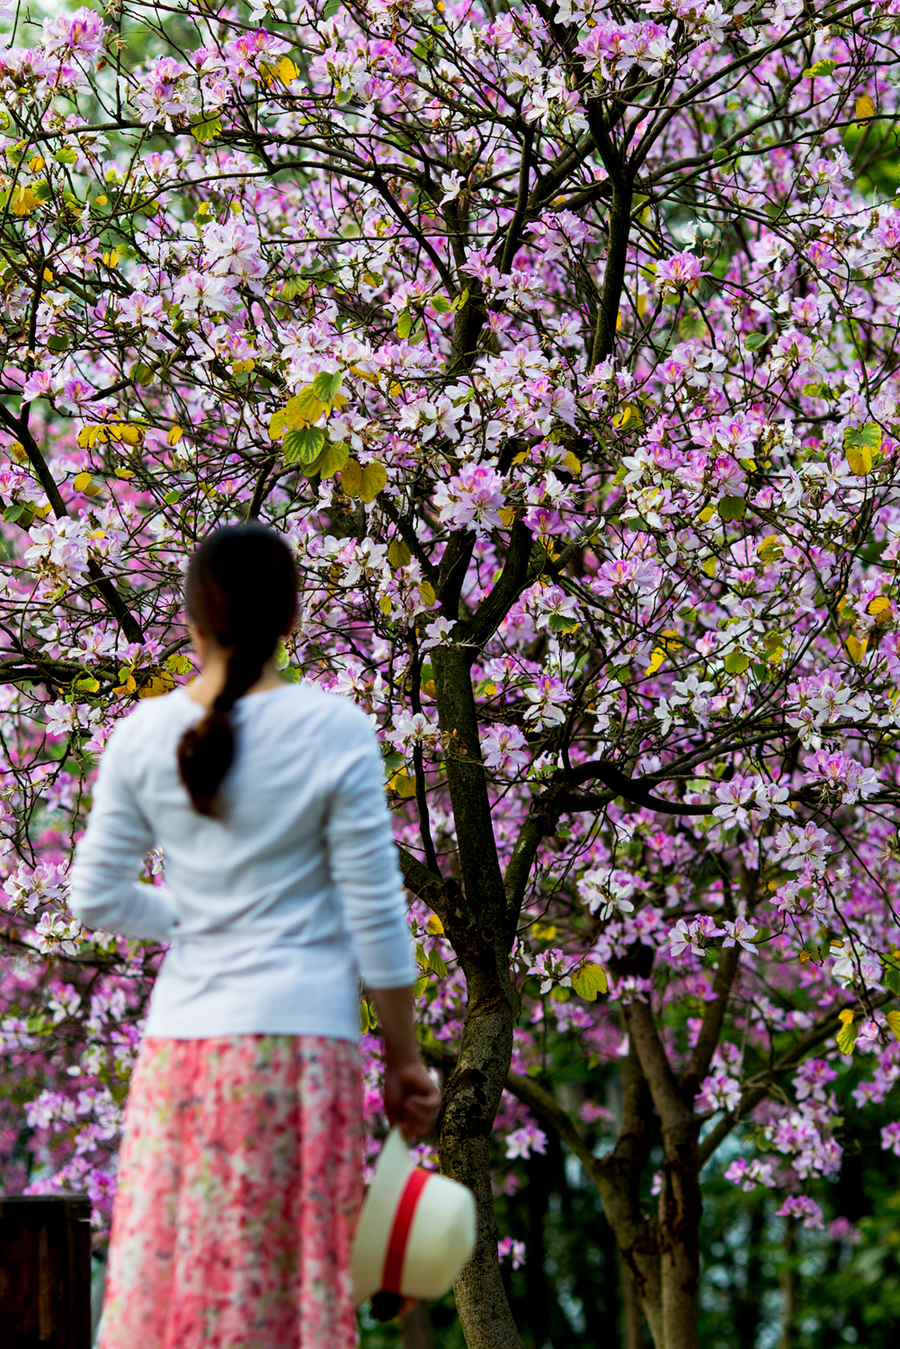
(415, 1232)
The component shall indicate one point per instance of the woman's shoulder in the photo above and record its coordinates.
(150, 715)
(305, 701)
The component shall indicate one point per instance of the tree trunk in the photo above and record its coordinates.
(477, 927)
(633, 1336)
(680, 1207)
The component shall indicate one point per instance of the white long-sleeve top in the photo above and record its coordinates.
(274, 911)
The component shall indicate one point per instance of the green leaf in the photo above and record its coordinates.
(66, 156)
(20, 513)
(404, 325)
(58, 342)
(590, 981)
(754, 341)
(559, 624)
(820, 68)
(303, 446)
(398, 554)
(846, 1037)
(332, 459)
(206, 128)
(172, 498)
(141, 373)
(436, 963)
(720, 153)
(440, 304)
(892, 978)
(736, 662)
(732, 508)
(303, 408)
(326, 385)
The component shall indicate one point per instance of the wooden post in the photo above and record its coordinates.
(45, 1271)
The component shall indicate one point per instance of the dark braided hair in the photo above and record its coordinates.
(241, 590)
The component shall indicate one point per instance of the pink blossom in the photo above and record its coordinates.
(800, 1206)
(471, 499)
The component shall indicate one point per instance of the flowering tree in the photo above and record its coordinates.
(560, 341)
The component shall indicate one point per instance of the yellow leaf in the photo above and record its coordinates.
(89, 436)
(404, 786)
(856, 649)
(435, 926)
(543, 931)
(709, 565)
(893, 1020)
(123, 473)
(128, 687)
(48, 276)
(179, 664)
(111, 259)
(384, 605)
(629, 413)
(36, 164)
(82, 481)
(560, 994)
(845, 1016)
(865, 109)
(18, 451)
(287, 71)
(507, 514)
(276, 424)
(880, 608)
(426, 592)
(572, 463)
(158, 685)
(706, 514)
(351, 477)
(374, 477)
(656, 661)
(589, 981)
(23, 201)
(859, 459)
(769, 549)
(175, 434)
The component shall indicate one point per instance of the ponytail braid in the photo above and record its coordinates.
(241, 588)
(202, 773)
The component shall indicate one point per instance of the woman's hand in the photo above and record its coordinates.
(411, 1097)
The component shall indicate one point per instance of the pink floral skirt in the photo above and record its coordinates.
(240, 1181)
